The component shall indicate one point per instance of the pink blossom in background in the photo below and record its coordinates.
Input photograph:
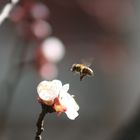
(41, 29)
(40, 11)
(53, 49)
(48, 71)
(18, 14)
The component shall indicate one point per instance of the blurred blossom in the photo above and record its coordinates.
(27, 4)
(109, 14)
(30, 18)
(53, 49)
(112, 57)
(40, 11)
(41, 29)
(17, 14)
(48, 71)
(15, 1)
(39, 58)
(23, 29)
(66, 3)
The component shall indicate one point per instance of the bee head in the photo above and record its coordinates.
(73, 68)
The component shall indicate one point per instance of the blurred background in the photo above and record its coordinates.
(41, 39)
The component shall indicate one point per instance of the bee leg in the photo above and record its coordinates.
(82, 76)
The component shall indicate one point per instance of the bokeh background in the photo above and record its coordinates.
(42, 39)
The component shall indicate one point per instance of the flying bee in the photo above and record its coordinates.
(83, 70)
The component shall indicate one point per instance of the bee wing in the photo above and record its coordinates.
(87, 61)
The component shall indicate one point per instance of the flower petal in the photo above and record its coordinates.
(72, 107)
(49, 90)
(71, 114)
(56, 86)
(65, 87)
(68, 100)
(42, 89)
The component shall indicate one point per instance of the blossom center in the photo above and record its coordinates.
(58, 106)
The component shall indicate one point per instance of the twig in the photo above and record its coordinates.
(45, 109)
(6, 10)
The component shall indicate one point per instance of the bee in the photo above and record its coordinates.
(83, 70)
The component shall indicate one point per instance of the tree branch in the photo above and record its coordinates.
(40, 122)
(6, 10)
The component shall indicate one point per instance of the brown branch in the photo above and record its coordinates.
(40, 122)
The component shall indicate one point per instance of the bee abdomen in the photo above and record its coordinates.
(87, 71)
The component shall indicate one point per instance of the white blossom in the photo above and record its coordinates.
(62, 101)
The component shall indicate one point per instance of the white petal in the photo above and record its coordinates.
(56, 86)
(65, 87)
(48, 90)
(43, 86)
(45, 96)
(67, 100)
(71, 114)
(73, 103)
(42, 89)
